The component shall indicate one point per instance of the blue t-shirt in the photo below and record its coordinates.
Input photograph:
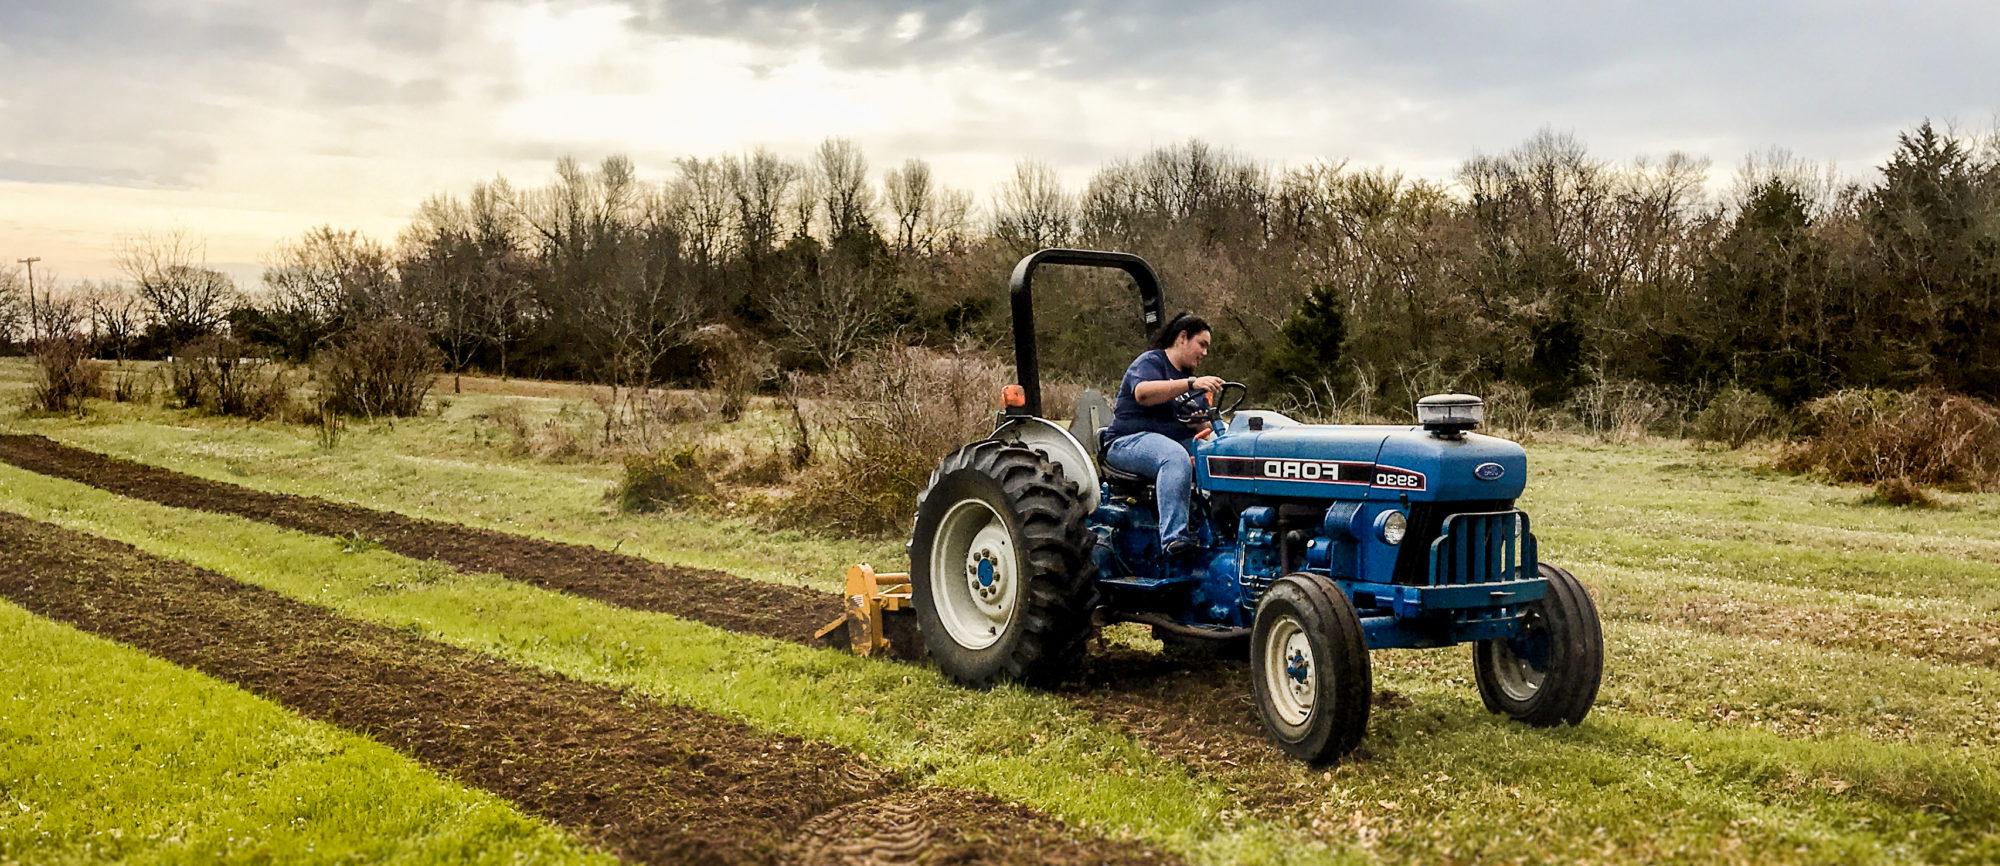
(1128, 417)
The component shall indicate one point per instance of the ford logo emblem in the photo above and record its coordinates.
(1489, 471)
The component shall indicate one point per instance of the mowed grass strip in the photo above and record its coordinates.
(108, 755)
(654, 783)
(1439, 778)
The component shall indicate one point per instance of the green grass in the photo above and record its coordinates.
(1016, 744)
(110, 756)
(1455, 781)
(1783, 744)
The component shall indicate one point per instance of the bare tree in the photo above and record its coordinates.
(441, 268)
(55, 313)
(845, 196)
(830, 309)
(116, 315)
(929, 218)
(1034, 211)
(699, 202)
(499, 232)
(1820, 184)
(331, 280)
(13, 305)
(184, 297)
(760, 182)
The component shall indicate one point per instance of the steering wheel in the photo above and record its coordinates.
(1187, 413)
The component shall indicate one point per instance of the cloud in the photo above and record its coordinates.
(269, 117)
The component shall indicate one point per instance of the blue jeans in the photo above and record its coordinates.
(1160, 458)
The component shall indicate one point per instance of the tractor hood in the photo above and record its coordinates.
(1341, 461)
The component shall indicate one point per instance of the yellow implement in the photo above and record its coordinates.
(869, 598)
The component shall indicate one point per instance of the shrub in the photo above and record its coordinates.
(734, 365)
(883, 423)
(1509, 410)
(224, 376)
(1928, 437)
(1900, 493)
(1736, 417)
(666, 477)
(760, 467)
(68, 376)
(556, 438)
(1621, 410)
(382, 368)
(129, 385)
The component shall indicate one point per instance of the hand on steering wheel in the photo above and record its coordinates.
(1217, 407)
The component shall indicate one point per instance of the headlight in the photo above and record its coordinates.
(1392, 526)
(1450, 415)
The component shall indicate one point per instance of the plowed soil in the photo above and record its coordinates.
(651, 782)
(1200, 714)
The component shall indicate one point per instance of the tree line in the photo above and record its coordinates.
(1545, 268)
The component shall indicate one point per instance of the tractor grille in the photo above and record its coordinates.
(1427, 519)
(1483, 548)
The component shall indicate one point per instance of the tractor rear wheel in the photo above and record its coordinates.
(1549, 674)
(1000, 568)
(1309, 669)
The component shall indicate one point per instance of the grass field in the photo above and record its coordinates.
(114, 757)
(1791, 675)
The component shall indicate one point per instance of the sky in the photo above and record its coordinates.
(244, 124)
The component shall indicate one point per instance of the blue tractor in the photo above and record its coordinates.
(1319, 543)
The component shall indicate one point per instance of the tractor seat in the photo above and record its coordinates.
(1124, 482)
(1093, 414)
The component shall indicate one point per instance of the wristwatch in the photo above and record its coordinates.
(1190, 389)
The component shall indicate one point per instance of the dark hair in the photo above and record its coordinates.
(1185, 323)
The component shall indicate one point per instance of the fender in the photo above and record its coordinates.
(1059, 446)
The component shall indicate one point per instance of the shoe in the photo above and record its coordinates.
(1180, 547)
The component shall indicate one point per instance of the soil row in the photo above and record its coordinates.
(650, 782)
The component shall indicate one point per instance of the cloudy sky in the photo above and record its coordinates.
(246, 123)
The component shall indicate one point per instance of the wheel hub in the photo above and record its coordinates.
(1520, 664)
(1297, 667)
(1288, 671)
(979, 607)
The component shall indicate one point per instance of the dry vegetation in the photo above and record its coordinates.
(1925, 437)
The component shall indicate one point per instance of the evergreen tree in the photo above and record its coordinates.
(1305, 357)
(1934, 242)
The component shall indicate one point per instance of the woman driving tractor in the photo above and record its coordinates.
(1147, 436)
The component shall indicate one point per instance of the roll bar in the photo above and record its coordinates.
(1027, 366)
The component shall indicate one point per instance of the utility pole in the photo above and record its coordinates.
(34, 320)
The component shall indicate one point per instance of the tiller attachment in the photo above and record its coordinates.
(869, 599)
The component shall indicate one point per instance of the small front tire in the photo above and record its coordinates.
(1549, 675)
(1309, 669)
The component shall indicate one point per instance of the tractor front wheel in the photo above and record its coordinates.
(1309, 669)
(1548, 675)
(1000, 572)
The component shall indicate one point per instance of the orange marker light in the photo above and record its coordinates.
(1013, 397)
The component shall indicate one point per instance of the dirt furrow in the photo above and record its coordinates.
(651, 782)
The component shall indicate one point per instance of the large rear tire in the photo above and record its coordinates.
(1309, 669)
(1549, 675)
(1000, 571)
